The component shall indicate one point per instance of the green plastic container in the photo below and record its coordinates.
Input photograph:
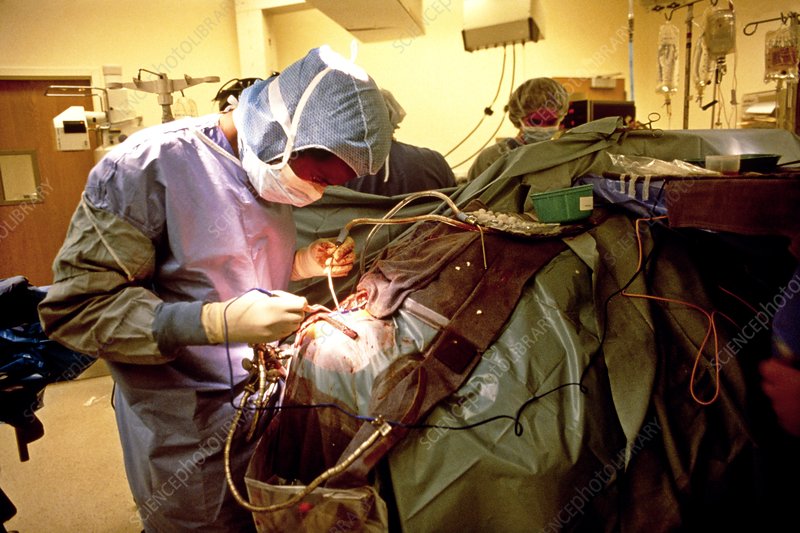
(564, 205)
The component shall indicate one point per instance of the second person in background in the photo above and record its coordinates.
(536, 108)
(409, 168)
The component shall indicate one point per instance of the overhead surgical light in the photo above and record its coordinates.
(492, 23)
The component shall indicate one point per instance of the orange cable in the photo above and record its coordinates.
(712, 327)
(740, 299)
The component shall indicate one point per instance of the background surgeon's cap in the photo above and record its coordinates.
(396, 111)
(344, 113)
(540, 98)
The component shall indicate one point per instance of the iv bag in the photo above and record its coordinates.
(184, 107)
(781, 53)
(667, 81)
(720, 33)
(703, 70)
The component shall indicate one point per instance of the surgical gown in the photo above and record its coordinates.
(168, 221)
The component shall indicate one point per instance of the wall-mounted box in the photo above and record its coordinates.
(488, 24)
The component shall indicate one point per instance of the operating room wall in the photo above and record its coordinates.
(177, 37)
(445, 89)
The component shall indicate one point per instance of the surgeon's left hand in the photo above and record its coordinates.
(312, 260)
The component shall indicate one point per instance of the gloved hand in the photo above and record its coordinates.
(253, 317)
(311, 260)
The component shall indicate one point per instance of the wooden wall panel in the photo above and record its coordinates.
(32, 233)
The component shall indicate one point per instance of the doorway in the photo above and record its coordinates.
(32, 229)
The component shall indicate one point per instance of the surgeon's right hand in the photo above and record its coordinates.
(253, 317)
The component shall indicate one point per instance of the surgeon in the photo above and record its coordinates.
(176, 258)
(536, 108)
(410, 168)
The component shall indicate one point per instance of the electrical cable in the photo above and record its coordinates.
(502, 119)
(741, 300)
(487, 111)
(711, 331)
(480, 149)
(518, 428)
(734, 109)
(382, 429)
(234, 87)
(462, 221)
(401, 204)
(386, 219)
(409, 220)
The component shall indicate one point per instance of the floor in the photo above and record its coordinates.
(74, 479)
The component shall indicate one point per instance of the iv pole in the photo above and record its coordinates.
(789, 115)
(630, 48)
(687, 76)
(687, 71)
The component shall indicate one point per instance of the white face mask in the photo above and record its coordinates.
(532, 134)
(278, 183)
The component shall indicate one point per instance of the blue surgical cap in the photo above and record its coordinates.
(341, 110)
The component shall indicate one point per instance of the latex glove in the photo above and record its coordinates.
(253, 317)
(781, 384)
(311, 260)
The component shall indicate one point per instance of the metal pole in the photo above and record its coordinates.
(714, 99)
(687, 75)
(796, 105)
(630, 49)
(793, 88)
